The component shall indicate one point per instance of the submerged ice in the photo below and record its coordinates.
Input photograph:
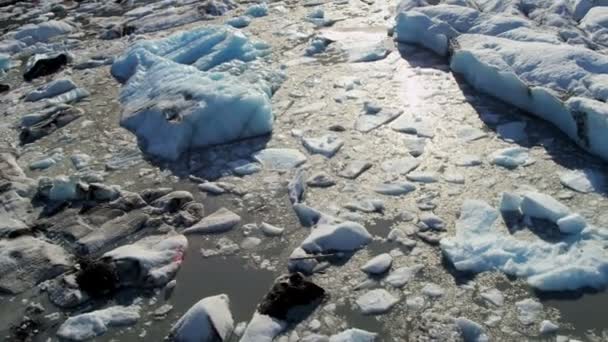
(195, 89)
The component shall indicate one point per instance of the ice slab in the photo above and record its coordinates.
(205, 321)
(92, 324)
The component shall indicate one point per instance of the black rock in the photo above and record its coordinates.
(4, 87)
(97, 278)
(43, 65)
(289, 292)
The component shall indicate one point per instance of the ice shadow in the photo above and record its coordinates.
(494, 113)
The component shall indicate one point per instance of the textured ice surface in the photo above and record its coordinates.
(30, 34)
(194, 89)
(91, 324)
(480, 244)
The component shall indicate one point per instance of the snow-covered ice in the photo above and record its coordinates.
(341, 237)
(205, 321)
(220, 221)
(378, 264)
(95, 323)
(376, 302)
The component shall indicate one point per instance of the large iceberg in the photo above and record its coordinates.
(578, 260)
(195, 89)
(534, 56)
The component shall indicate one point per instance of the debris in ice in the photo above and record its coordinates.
(280, 158)
(370, 121)
(583, 181)
(354, 169)
(206, 321)
(220, 221)
(26, 261)
(401, 166)
(320, 180)
(548, 327)
(231, 99)
(340, 237)
(271, 230)
(257, 10)
(395, 189)
(376, 302)
(471, 331)
(51, 89)
(327, 145)
(528, 310)
(493, 296)
(511, 157)
(96, 323)
(401, 276)
(378, 264)
(513, 131)
(433, 290)
(239, 22)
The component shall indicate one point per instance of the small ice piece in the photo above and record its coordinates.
(270, 230)
(370, 121)
(468, 133)
(296, 188)
(257, 10)
(96, 323)
(415, 145)
(220, 221)
(401, 276)
(80, 160)
(415, 302)
(244, 167)
(354, 169)
(510, 203)
(63, 189)
(51, 89)
(544, 207)
(583, 181)
(371, 108)
(205, 321)
(5, 62)
(262, 328)
(471, 331)
(528, 310)
(280, 158)
(366, 205)
(468, 160)
(571, 224)
(341, 237)
(378, 264)
(453, 177)
(513, 131)
(212, 188)
(493, 296)
(317, 45)
(353, 335)
(376, 302)
(250, 242)
(423, 176)
(395, 189)
(42, 164)
(433, 290)
(414, 125)
(320, 180)
(239, 22)
(432, 221)
(316, 13)
(327, 145)
(401, 166)
(511, 157)
(548, 327)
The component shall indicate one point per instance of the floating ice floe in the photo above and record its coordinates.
(536, 60)
(376, 302)
(341, 237)
(480, 244)
(378, 264)
(584, 181)
(208, 320)
(280, 158)
(92, 324)
(195, 89)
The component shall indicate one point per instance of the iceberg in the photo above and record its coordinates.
(577, 261)
(195, 89)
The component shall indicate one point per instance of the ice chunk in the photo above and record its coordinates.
(239, 22)
(401, 276)
(271, 230)
(368, 122)
(471, 331)
(400, 166)
(376, 302)
(528, 310)
(51, 89)
(92, 324)
(395, 189)
(320, 180)
(542, 206)
(341, 237)
(493, 296)
(262, 328)
(205, 321)
(353, 335)
(515, 131)
(378, 264)
(5, 62)
(354, 169)
(511, 157)
(220, 221)
(195, 89)
(257, 10)
(280, 158)
(547, 327)
(432, 290)
(572, 224)
(584, 181)
(327, 145)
